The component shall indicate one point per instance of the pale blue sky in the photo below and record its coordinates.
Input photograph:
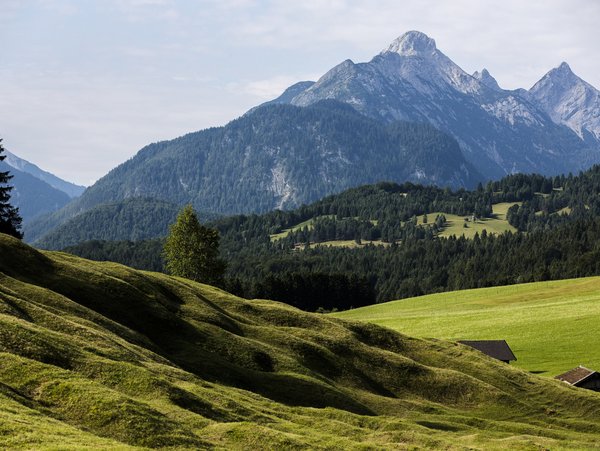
(84, 84)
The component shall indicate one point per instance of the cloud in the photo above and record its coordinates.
(8, 10)
(140, 3)
(148, 10)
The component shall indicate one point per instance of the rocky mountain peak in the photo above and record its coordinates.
(560, 77)
(500, 131)
(486, 78)
(564, 68)
(569, 100)
(412, 43)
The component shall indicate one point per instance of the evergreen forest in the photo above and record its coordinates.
(381, 242)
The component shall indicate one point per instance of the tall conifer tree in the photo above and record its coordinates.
(10, 221)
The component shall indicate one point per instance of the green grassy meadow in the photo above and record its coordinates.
(455, 224)
(551, 326)
(96, 355)
(352, 244)
(285, 232)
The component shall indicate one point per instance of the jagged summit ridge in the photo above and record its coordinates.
(569, 100)
(412, 43)
(486, 78)
(561, 76)
(500, 131)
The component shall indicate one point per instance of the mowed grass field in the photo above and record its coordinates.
(551, 326)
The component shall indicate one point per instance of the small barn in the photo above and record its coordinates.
(498, 349)
(581, 377)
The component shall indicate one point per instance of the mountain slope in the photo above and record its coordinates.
(499, 131)
(71, 189)
(31, 195)
(148, 360)
(278, 156)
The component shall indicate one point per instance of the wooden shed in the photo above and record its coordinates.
(498, 349)
(581, 377)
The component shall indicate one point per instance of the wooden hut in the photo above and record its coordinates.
(498, 349)
(581, 377)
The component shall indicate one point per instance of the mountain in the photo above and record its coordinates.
(569, 100)
(277, 156)
(499, 131)
(100, 356)
(55, 182)
(32, 196)
(36, 192)
(354, 127)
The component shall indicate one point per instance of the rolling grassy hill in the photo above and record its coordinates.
(97, 355)
(551, 326)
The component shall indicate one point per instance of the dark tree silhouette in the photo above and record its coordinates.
(10, 221)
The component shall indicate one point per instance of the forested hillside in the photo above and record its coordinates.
(277, 156)
(387, 241)
(132, 219)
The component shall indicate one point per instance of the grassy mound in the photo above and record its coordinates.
(97, 355)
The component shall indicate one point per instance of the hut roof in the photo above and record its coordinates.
(576, 375)
(497, 349)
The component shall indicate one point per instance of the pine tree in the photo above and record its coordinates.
(191, 250)
(10, 221)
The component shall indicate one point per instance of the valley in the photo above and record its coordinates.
(316, 272)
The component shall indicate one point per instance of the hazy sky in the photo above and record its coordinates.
(84, 84)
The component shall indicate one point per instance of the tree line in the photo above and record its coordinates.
(296, 270)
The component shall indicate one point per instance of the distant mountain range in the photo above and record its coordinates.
(364, 123)
(36, 191)
(71, 189)
(552, 128)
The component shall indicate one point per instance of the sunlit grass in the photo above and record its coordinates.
(549, 325)
(97, 355)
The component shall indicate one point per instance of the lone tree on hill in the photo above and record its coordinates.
(192, 250)
(10, 221)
